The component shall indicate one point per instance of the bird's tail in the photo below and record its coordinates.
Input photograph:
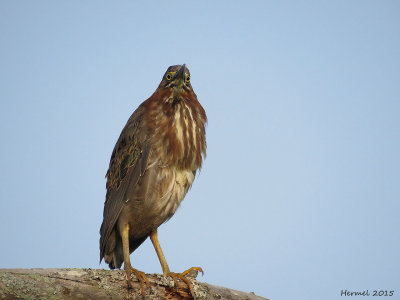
(112, 253)
(117, 258)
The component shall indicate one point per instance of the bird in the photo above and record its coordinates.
(152, 166)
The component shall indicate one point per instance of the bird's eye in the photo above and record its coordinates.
(187, 78)
(169, 75)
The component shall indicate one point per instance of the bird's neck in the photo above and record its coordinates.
(179, 132)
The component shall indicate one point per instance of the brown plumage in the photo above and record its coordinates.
(152, 166)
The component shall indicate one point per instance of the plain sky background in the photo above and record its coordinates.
(299, 195)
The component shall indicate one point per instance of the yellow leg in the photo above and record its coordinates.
(160, 254)
(165, 268)
(127, 262)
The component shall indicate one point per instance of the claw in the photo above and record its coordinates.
(141, 277)
(198, 269)
(182, 277)
(174, 277)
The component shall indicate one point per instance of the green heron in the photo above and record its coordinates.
(152, 166)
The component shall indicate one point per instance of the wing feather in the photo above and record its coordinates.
(127, 164)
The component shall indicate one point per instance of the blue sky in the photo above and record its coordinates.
(299, 194)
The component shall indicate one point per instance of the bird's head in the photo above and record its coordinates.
(177, 80)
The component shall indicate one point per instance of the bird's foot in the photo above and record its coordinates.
(141, 277)
(182, 276)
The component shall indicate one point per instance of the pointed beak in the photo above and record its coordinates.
(180, 75)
